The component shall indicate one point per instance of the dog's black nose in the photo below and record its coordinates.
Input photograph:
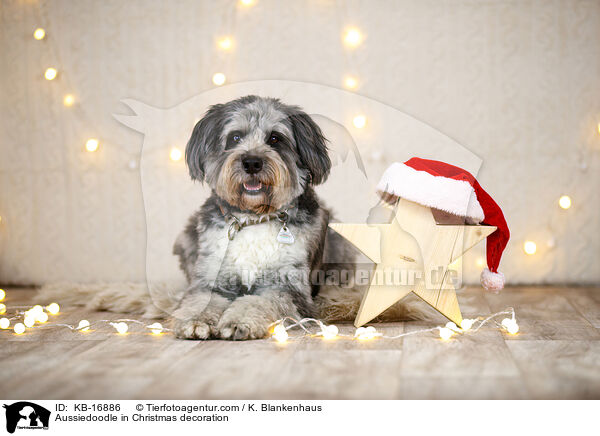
(252, 164)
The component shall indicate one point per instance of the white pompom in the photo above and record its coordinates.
(492, 281)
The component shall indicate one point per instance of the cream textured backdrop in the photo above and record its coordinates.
(515, 82)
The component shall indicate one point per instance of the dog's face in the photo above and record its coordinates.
(257, 154)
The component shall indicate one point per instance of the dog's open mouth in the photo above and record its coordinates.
(253, 187)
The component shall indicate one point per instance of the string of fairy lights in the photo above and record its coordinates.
(331, 331)
(37, 316)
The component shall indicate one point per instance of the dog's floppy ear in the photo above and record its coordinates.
(312, 147)
(204, 140)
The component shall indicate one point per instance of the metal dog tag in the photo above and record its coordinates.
(285, 236)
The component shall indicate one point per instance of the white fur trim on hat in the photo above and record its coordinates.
(453, 196)
(492, 281)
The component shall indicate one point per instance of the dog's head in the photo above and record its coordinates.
(256, 153)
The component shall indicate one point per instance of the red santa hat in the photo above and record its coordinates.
(454, 190)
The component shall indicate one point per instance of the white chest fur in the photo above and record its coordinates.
(256, 245)
(253, 250)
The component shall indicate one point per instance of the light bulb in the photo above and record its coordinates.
(84, 325)
(41, 317)
(510, 325)
(33, 313)
(466, 324)
(280, 334)
(175, 154)
(530, 247)
(53, 308)
(513, 329)
(366, 333)
(4, 323)
(50, 73)
(122, 328)
(247, 2)
(156, 328)
(352, 37)
(92, 145)
(350, 82)
(564, 202)
(445, 333)
(452, 326)
(225, 43)
(218, 79)
(2, 294)
(480, 262)
(359, 121)
(2, 308)
(19, 328)
(68, 100)
(29, 321)
(39, 34)
(329, 331)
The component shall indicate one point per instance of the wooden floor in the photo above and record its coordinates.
(555, 355)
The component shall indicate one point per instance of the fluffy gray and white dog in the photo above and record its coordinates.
(253, 251)
(259, 249)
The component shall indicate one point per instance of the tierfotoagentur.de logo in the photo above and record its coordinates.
(25, 415)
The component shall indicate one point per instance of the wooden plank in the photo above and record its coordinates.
(58, 364)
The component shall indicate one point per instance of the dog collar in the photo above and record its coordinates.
(236, 224)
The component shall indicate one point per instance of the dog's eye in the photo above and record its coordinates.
(232, 139)
(273, 139)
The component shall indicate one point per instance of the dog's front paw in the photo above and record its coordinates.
(191, 329)
(241, 331)
(239, 327)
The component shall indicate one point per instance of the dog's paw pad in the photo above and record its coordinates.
(193, 329)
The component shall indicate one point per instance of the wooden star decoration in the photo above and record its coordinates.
(416, 250)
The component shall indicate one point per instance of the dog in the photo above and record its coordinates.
(250, 253)
(259, 249)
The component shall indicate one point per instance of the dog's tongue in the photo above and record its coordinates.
(252, 186)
